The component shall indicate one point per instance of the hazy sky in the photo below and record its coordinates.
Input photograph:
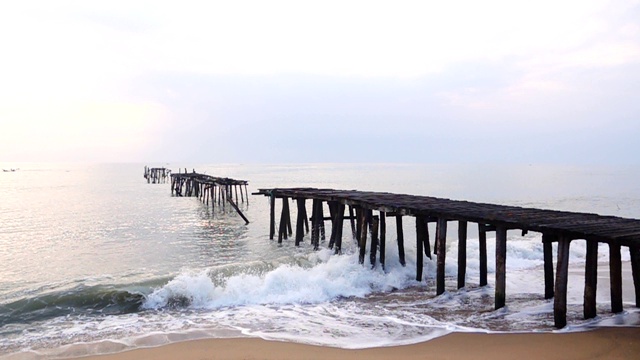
(320, 81)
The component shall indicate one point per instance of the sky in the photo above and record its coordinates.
(320, 81)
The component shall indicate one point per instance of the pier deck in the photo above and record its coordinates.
(556, 226)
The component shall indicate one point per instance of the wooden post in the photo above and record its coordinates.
(359, 211)
(339, 221)
(353, 224)
(375, 221)
(287, 213)
(615, 275)
(333, 210)
(282, 229)
(482, 247)
(419, 243)
(300, 221)
(441, 238)
(362, 241)
(634, 251)
(238, 211)
(590, 279)
(383, 237)
(315, 225)
(501, 262)
(562, 273)
(462, 253)
(400, 240)
(547, 248)
(272, 214)
(321, 220)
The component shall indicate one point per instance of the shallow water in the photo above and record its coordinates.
(93, 259)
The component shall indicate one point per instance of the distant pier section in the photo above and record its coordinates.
(156, 175)
(368, 211)
(211, 189)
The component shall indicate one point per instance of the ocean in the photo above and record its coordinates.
(93, 259)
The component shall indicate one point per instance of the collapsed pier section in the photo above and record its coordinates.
(211, 189)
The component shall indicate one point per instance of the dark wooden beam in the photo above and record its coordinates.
(562, 273)
(462, 253)
(400, 240)
(590, 280)
(501, 262)
(615, 275)
(441, 241)
(547, 249)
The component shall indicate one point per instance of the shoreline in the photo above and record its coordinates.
(599, 343)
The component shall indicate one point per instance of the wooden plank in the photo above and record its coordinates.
(315, 226)
(400, 240)
(562, 273)
(238, 211)
(547, 249)
(462, 253)
(441, 241)
(590, 280)
(501, 262)
(615, 275)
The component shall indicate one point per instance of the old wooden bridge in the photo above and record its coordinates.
(210, 189)
(556, 226)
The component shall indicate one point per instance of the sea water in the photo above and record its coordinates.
(93, 259)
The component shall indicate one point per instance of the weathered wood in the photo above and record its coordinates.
(419, 244)
(501, 262)
(482, 248)
(352, 219)
(400, 240)
(562, 273)
(383, 238)
(362, 240)
(332, 211)
(315, 224)
(282, 229)
(462, 253)
(285, 205)
(374, 240)
(590, 280)
(615, 275)
(320, 220)
(238, 211)
(441, 241)
(425, 238)
(300, 220)
(339, 225)
(272, 216)
(547, 249)
(634, 252)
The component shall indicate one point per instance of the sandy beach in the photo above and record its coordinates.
(604, 343)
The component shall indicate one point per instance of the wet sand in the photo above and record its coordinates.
(602, 343)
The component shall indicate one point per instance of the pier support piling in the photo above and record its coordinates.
(590, 280)
(462, 253)
(615, 275)
(441, 241)
(501, 262)
(562, 273)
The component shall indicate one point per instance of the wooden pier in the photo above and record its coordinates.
(156, 175)
(555, 226)
(211, 189)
